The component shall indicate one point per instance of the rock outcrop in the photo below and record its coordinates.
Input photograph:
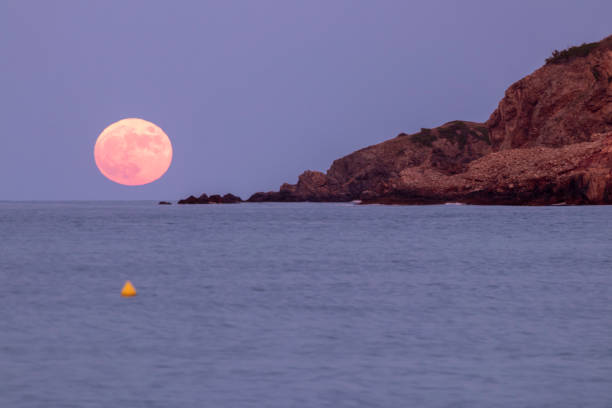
(563, 102)
(213, 199)
(549, 141)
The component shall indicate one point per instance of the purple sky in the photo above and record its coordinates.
(252, 93)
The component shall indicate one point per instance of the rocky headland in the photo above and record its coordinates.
(548, 142)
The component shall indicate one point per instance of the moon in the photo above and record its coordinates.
(133, 152)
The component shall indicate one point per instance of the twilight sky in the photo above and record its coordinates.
(252, 93)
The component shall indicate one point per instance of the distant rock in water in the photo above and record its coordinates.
(230, 199)
(191, 200)
(165, 203)
(548, 142)
(213, 199)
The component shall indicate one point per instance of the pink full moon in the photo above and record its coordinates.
(133, 152)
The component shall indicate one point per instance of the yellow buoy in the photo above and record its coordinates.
(128, 289)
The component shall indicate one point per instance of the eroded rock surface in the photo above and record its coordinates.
(559, 104)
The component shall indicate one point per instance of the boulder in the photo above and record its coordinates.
(230, 199)
(189, 200)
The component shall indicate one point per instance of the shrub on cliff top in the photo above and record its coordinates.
(583, 50)
(424, 137)
(456, 131)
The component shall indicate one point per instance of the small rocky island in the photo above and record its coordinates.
(548, 142)
(213, 199)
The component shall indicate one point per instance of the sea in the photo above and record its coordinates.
(304, 305)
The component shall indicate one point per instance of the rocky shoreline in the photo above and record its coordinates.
(549, 142)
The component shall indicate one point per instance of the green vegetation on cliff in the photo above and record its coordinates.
(566, 55)
(456, 131)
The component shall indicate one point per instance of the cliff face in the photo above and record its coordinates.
(549, 141)
(564, 102)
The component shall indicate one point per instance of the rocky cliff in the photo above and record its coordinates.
(549, 141)
(564, 102)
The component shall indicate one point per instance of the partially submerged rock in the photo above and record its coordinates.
(213, 199)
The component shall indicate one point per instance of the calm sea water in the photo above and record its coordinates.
(305, 305)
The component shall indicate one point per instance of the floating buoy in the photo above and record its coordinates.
(128, 289)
